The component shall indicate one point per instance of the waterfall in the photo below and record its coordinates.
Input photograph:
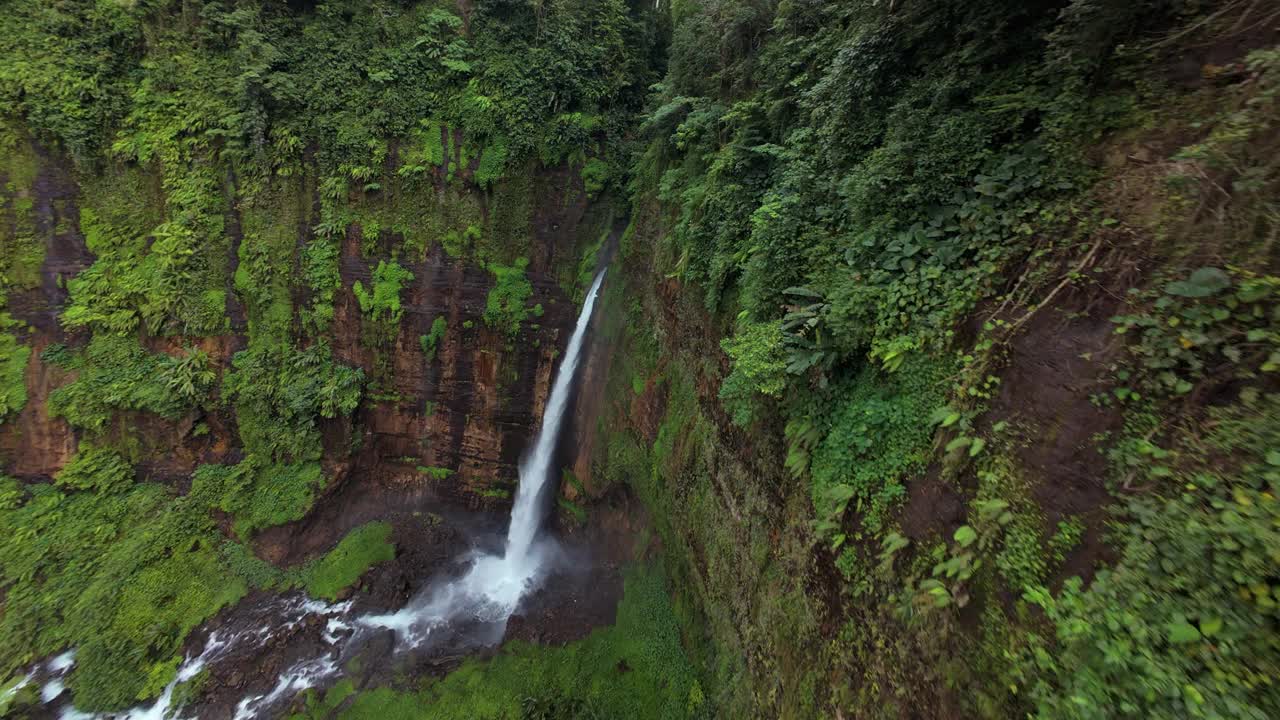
(536, 470)
(492, 587)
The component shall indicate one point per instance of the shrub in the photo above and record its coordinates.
(431, 341)
(114, 373)
(383, 303)
(280, 393)
(96, 469)
(13, 374)
(759, 369)
(507, 304)
(1183, 625)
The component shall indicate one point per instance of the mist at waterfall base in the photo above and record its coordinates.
(493, 586)
(460, 610)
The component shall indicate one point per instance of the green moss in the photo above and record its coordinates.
(461, 243)
(427, 151)
(264, 275)
(342, 566)
(114, 293)
(493, 163)
(435, 473)
(22, 249)
(256, 572)
(676, 439)
(510, 220)
(159, 264)
(595, 173)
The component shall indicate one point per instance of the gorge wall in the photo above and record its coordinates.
(282, 290)
(469, 407)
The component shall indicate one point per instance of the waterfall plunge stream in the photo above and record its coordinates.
(481, 600)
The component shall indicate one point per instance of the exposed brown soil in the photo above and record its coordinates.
(1055, 366)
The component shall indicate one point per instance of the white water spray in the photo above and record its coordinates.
(536, 470)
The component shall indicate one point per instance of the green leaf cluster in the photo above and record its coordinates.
(13, 374)
(1182, 626)
(431, 341)
(381, 303)
(507, 305)
(114, 374)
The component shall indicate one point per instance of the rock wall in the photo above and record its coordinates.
(469, 410)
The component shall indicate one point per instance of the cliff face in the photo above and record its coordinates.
(274, 273)
(473, 407)
(32, 443)
(466, 406)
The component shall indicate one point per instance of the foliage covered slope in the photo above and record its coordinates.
(994, 283)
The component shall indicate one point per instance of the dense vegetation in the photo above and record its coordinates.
(877, 206)
(944, 334)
